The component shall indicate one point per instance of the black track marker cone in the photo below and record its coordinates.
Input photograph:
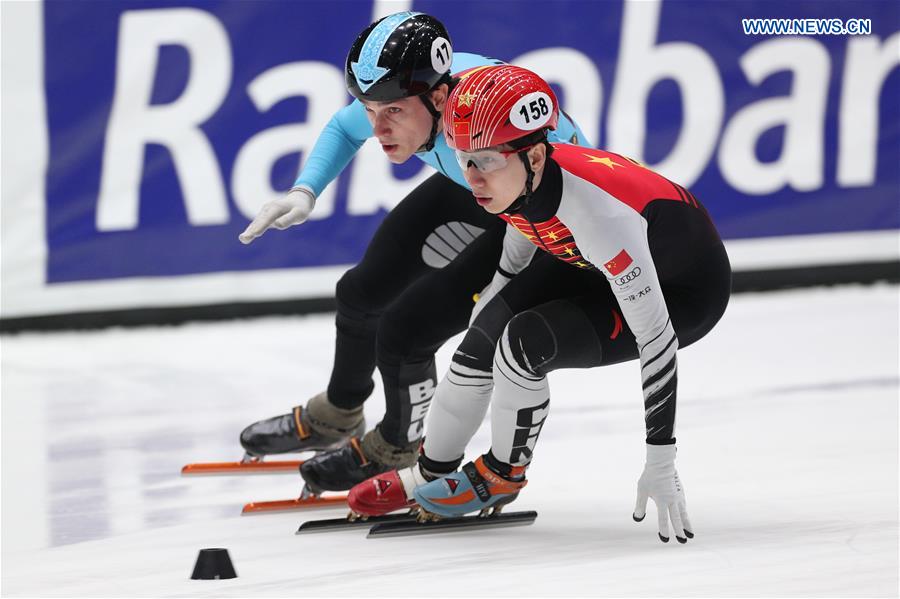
(213, 564)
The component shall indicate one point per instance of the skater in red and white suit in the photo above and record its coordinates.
(632, 268)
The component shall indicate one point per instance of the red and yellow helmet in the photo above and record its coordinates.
(495, 105)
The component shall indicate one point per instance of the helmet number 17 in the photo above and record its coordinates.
(441, 55)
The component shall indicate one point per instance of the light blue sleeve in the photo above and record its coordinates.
(336, 146)
(568, 131)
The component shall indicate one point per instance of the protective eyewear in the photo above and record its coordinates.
(487, 161)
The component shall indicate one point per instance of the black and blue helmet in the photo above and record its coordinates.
(402, 55)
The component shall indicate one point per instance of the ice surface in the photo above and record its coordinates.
(788, 449)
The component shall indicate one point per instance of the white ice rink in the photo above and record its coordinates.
(788, 449)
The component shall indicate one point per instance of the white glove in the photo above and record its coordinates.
(292, 209)
(660, 483)
(487, 294)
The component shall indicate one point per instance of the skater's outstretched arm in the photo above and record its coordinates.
(338, 143)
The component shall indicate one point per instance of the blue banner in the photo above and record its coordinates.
(169, 124)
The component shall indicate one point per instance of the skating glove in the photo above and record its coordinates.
(660, 483)
(292, 209)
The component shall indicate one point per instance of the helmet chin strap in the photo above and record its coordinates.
(435, 119)
(523, 199)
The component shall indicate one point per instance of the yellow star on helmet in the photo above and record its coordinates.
(465, 99)
(605, 161)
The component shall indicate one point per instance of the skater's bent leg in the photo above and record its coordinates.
(354, 352)
(437, 216)
(410, 331)
(463, 396)
(554, 335)
(586, 330)
(409, 388)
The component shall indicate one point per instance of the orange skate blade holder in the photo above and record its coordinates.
(248, 467)
(288, 505)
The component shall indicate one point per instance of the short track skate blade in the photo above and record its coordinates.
(412, 527)
(314, 526)
(273, 467)
(290, 505)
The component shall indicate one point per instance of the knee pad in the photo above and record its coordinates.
(478, 346)
(351, 300)
(532, 343)
(475, 352)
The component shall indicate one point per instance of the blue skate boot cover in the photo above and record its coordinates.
(476, 487)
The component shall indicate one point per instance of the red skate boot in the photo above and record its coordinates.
(386, 492)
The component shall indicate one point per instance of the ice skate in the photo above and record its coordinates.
(341, 469)
(318, 426)
(476, 488)
(387, 492)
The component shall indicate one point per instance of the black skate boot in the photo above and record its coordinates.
(319, 426)
(341, 469)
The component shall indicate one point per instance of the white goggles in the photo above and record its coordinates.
(487, 161)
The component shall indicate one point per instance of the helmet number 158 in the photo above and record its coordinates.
(531, 111)
(538, 108)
